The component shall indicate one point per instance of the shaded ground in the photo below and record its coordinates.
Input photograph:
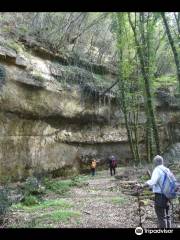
(101, 202)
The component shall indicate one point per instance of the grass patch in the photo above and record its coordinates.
(79, 181)
(59, 215)
(58, 186)
(30, 200)
(43, 205)
(44, 215)
(63, 186)
(120, 200)
(48, 220)
(47, 213)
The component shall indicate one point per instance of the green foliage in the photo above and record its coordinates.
(48, 220)
(57, 216)
(60, 203)
(45, 214)
(120, 200)
(144, 178)
(30, 200)
(5, 202)
(58, 186)
(165, 81)
(5, 180)
(63, 186)
(32, 191)
(15, 46)
(32, 186)
(54, 203)
(130, 91)
(77, 181)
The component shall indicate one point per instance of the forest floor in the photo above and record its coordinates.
(101, 201)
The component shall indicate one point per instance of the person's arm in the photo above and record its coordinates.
(154, 179)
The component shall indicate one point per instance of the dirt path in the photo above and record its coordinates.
(102, 205)
(101, 202)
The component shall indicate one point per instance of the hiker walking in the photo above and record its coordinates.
(112, 165)
(163, 184)
(93, 167)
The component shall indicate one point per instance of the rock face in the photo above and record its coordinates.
(172, 154)
(52, 119)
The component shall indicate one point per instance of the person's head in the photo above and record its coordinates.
(158, 160)
(112, 157)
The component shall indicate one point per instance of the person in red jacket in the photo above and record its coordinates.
(112, 164)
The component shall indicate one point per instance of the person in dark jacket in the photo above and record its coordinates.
(112, 164)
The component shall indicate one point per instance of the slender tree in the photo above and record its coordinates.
(128, 100)
(172, 44)
(143, 30)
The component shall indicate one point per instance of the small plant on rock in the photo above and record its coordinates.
(32, 191)
(33, 186)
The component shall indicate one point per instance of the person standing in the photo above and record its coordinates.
(112, 165)
(162, 203)
(93, 167)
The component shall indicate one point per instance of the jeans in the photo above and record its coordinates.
(93, 170)
(112, 169)
(162, 210)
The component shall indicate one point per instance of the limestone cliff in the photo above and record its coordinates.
(53, 119)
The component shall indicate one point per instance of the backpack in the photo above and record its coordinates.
(169, 186)
(113, 163)
(93, 164)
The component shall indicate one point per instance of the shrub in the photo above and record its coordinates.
(32, 186)
(63, 186)
(57, 186)
(30, 200)
(32, 191)
(5, 203)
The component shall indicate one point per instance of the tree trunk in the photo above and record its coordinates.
(144, 64)
(174, 50)
(122, 87)
(124, 109)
